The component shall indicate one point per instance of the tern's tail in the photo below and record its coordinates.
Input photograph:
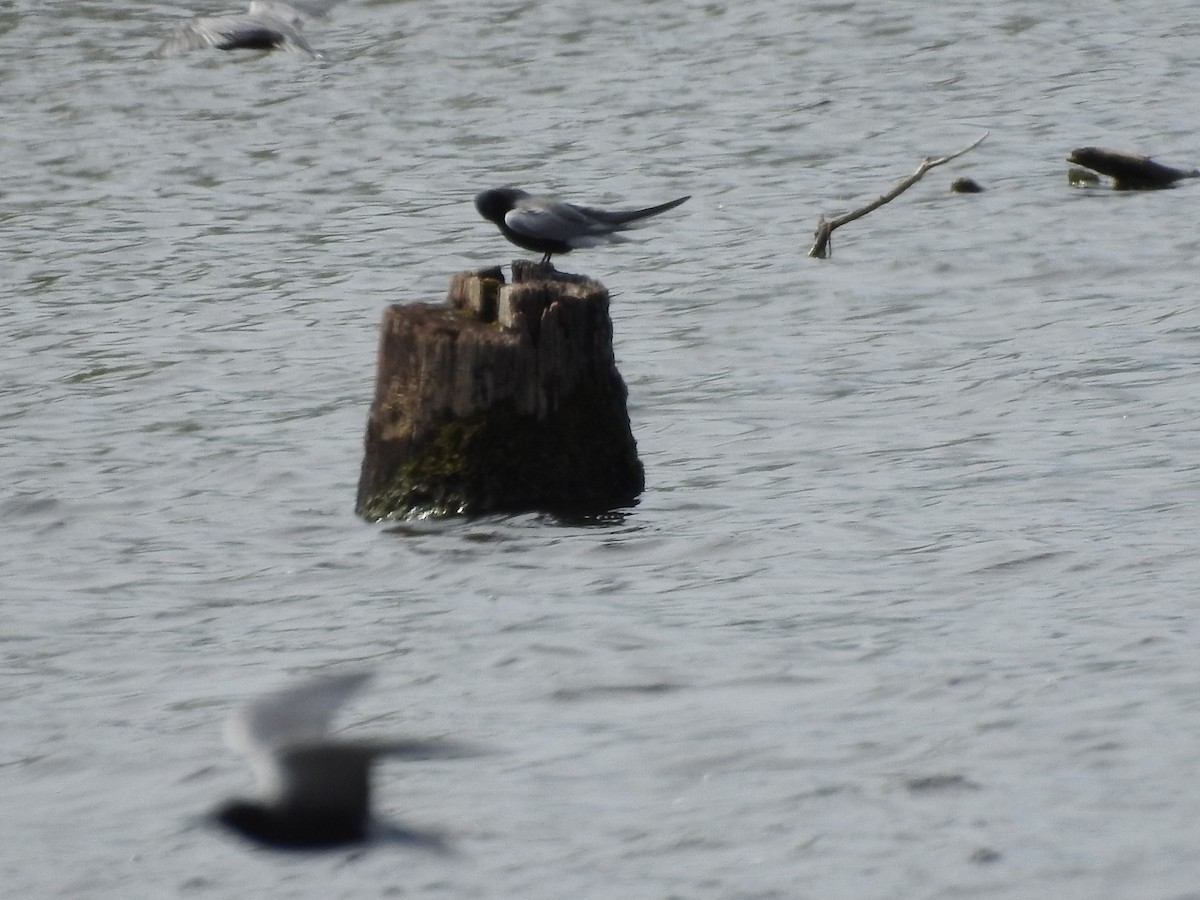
(624, 216)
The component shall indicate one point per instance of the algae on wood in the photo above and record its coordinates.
(506, 398)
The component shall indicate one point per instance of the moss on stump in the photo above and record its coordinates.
(506, 398)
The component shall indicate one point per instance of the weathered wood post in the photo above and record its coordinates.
(505, 398)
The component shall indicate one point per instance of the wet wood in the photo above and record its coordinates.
(1129, 171)
(506, 397)
(822, 243)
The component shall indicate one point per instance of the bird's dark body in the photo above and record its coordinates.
(287, 830)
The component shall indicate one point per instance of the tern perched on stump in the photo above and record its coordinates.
(552, 227)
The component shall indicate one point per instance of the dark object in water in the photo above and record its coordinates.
(966, 186)
(314, 793)
(1128, 171)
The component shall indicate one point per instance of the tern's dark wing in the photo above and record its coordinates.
(333, 779)
(550, 220)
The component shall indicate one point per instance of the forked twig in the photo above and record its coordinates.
(821, 246)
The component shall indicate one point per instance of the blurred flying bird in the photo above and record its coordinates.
(549, 226)
(266, 25)
(313, 792)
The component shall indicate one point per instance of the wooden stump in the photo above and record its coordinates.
(506, 398)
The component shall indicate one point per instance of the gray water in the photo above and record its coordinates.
(907, 608)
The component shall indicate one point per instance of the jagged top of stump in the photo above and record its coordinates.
(485, 296)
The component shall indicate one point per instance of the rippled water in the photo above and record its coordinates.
(907, 607)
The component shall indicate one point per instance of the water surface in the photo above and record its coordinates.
(907, 607)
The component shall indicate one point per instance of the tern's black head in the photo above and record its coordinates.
(495, 204)
(290, 830)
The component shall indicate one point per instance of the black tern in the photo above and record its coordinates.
(314, 793)
(549, 226)
(266, 25)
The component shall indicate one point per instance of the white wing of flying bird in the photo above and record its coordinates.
(290, 718)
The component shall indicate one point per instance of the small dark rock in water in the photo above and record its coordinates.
(1129, 171)
(966, 186)
(985, 855)
(314, 793)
